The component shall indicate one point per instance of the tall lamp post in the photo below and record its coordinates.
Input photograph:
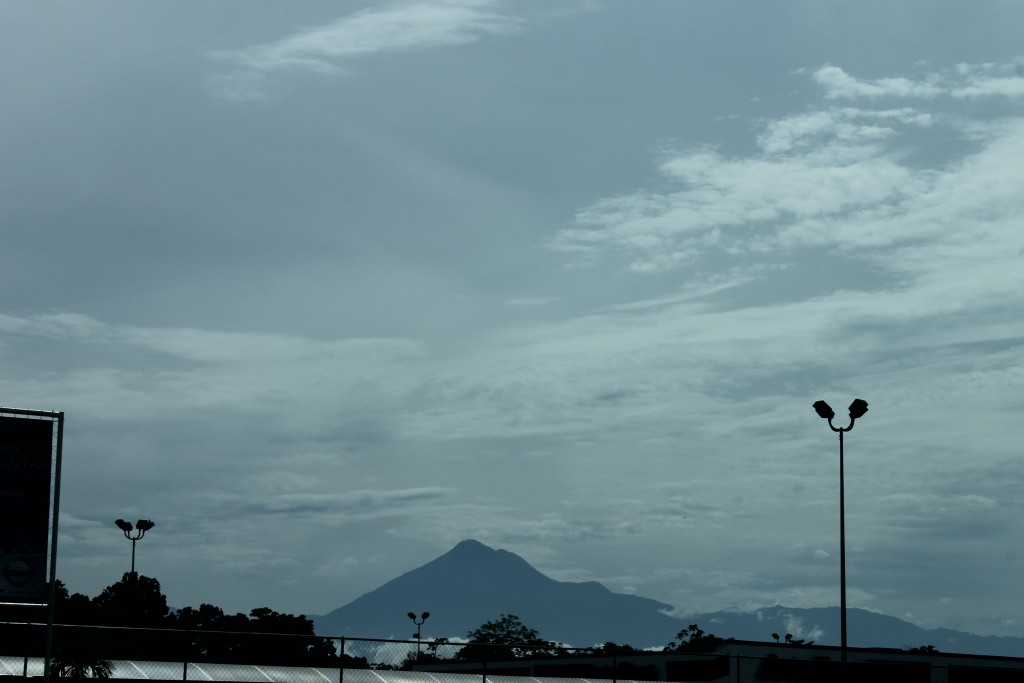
(857, 409)
(141, 527)
(423, 617)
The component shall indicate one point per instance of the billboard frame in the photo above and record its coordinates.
(57, 448)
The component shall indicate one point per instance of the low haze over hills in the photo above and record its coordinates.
(472, 584)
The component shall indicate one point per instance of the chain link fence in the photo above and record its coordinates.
(239, 657)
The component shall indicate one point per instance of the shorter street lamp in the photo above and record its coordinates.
(141, 527)
(423, 617)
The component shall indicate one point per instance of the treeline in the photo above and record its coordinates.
(508, 638)
(131, 620)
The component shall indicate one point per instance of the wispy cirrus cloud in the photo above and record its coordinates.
(811, 166)
(965, 81)
(838, 177)
(363, 503)
(397, 27)
(195, 345)
(840, 85)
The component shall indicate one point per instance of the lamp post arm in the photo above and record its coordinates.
(842, 429)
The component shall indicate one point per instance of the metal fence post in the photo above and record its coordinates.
(28, 629)
(184, 655)
(341, 661)
(615, 668)
(483, 672)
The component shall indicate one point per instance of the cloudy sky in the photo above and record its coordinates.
(326, 288)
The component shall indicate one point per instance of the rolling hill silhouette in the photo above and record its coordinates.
(472, 584)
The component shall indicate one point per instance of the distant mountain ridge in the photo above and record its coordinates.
(865, 629)
(472, 584)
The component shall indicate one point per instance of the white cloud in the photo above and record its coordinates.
(966, 81)
(723, 203)
(839, 84)
(990, 87)
(396, 27)
(840, 178)
(795, 626)
(837, 127)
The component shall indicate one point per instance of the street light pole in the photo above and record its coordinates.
(141, 527)
(857, 409)
(423, 617)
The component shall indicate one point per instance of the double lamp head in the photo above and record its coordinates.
(857, 409)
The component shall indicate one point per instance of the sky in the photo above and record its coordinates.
(325, 288)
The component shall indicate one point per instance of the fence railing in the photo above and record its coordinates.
(243, 657)
(171, 654)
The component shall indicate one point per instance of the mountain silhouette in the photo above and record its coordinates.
(472, 584)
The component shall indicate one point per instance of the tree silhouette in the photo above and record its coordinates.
(135, 600)
(72, 608)
(276, 638)
(612, 648)
(137, 604)
(76, 653)
(923, 649)
(694, 639)
(433, 655)
(503, 638)
(77, 663)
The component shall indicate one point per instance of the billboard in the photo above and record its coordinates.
(26, 453)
